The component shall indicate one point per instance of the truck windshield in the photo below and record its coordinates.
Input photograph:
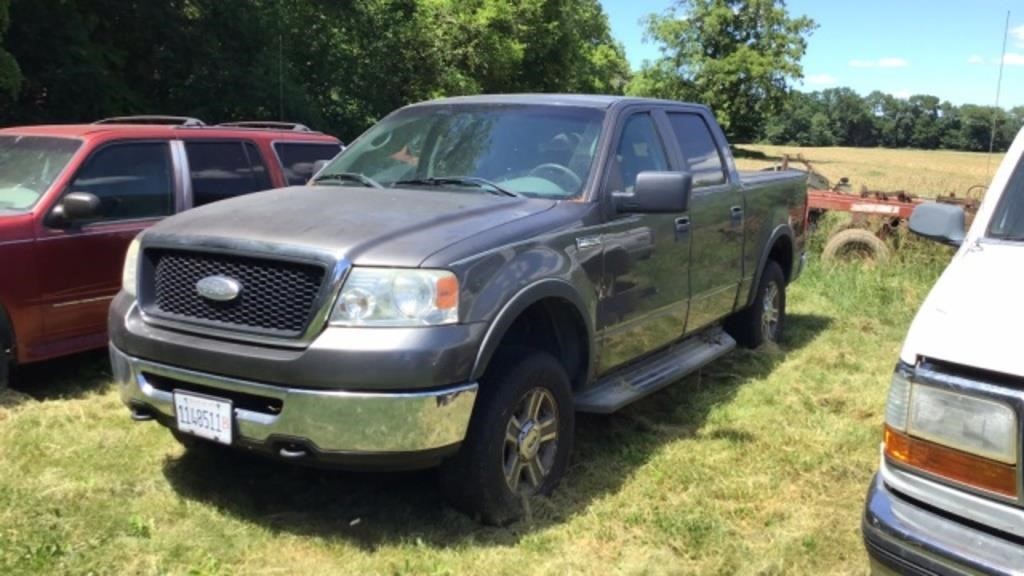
(28, 167)
(540, 151)
(1008, 219)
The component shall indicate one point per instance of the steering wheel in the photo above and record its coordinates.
(562, 170)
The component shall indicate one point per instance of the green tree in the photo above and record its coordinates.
(10, 74)
(736, 56)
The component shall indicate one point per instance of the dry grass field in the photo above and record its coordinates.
(756, 465)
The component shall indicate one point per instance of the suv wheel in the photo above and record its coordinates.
(519, 439)
(6, 355)
(763, 320)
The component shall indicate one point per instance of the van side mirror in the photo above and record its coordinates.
(656, 192)
(75, 207)
(940, 222)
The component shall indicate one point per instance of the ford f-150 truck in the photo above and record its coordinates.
(949, 494)
(455, 285)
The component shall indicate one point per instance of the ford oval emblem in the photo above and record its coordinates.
(218, 288)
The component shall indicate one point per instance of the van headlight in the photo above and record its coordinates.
(397, 297)
(129, 274)
(960, 436)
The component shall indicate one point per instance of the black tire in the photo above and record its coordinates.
(752, 327)
(855, 243)
(475, 479)
(6, 353)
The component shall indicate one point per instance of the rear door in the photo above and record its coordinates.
(716, 214)
(299, 159)
(80, 266)
(643, 299)
(221, 169)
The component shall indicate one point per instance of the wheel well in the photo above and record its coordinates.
(553, 325)
(782, 252)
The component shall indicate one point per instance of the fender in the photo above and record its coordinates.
(527, 296)
(782, 230)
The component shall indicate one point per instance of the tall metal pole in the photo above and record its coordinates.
(999, 87)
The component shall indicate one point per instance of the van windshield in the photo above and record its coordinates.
(1008, 219)
(28, 167)
(531, 150)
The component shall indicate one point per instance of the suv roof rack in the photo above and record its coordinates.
(153, 119)
(268, 125)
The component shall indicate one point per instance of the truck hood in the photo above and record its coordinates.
(974, 313)
(368, 226)
(15, 226)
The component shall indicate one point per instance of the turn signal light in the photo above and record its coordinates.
(950, 463)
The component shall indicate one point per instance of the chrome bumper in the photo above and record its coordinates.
(904, 537)
(329, 421)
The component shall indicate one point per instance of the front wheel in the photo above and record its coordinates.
(763, 320)
(519, 438)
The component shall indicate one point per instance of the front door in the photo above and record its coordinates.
(79, 266)
(643, 301)
(716, 213)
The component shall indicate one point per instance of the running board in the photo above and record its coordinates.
(633, 383)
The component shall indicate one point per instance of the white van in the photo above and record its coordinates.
(948, 496)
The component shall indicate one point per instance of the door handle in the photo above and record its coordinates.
(682, 226)
(736, 214)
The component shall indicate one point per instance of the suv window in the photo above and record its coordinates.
(640, 149)
(1008, 219)
(221, 170)
(698, 146)
(131, 180)
(298, 160)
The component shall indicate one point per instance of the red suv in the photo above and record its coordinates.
(73, 197)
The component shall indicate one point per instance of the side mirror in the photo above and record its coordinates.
(656, 192)
(76, 206)
(940, 222)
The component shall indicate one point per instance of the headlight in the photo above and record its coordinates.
(963, 437)
(129, 276)
(397, 297)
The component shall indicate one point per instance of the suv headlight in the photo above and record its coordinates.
(397, 297)
(129, 274)
(967, 438)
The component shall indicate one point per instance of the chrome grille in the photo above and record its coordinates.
(277, 298)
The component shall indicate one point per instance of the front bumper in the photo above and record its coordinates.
(313, 426)
(904, 537)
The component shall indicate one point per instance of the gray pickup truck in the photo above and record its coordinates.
(453, 287)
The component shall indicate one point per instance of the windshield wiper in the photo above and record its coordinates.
(482, 183)
(349, 177)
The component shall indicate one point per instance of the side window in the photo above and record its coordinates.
(699, 148)
(222, 170)
(639, 149)
(299, 160)
(131, 180)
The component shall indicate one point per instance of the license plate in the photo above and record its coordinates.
(203, 416)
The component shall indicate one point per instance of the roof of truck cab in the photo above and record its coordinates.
(86, 131)
(578, 100)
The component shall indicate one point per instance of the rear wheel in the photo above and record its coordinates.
(763, 320)
(519, 438)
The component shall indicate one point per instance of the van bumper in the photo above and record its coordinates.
(904, 537)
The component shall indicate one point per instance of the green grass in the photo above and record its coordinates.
(756, 465)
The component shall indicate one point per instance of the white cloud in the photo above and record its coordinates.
(902, 94)
(821, 80)
(889, 62)
(1017, 32)
(975, 59)
(1013, 59)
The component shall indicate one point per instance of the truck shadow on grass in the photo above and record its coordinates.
(375, 509)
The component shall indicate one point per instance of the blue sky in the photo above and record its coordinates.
(903, 47)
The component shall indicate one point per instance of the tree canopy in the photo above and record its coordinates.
(336, 65)
(736, 56)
